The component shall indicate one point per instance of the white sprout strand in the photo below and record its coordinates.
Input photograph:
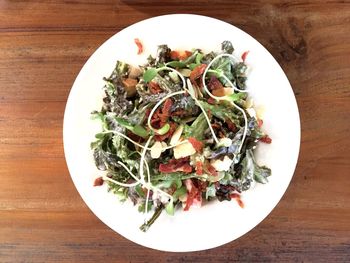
(224, 98)
(106, 178)
(204, 112)
(208, 68)
(127, 169)
(148, 189)
(143, 158)
(158, 104)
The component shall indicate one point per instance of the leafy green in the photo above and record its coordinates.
(222, 112)
(136, 129)
(210, 191)
(169, 208)
(227, 47)
(176, 64)
(150, 74)
(252, 170)
(197, 128)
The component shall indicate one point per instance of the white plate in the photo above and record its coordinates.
(214, 224)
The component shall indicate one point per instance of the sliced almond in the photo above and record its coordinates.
(134, 72)
(183, 150)
(185, 72)
(222, 92)
(176, 136)
(156, 150)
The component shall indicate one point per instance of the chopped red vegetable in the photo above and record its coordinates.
(199, 168)
(176, 165)
(194, 196)
(231, 125)
(98, 181)
(237, 197)
(244, 55)
(214, 84)
(266, 139)
(196, 74)
(197, 145)
(180, 55)
(139, 46)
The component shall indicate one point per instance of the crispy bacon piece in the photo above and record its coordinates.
(260, 123)
(211, 101)
(231, 125)
(266, 139)
(139, 46)
(98, 181)
(238, 199)
(196, 74)
(197, 145)
(179, 55)
(154, 87)
(244, 55)
(211, 170)
(214, 84)
(194, 195)
(199, 168)
(176, 165)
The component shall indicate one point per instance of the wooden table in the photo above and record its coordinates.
(43, 45)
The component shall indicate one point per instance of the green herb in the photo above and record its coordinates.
(137, 129)
(149, 74)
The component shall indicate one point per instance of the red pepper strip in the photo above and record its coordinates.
(266, 139)
(197, 145)
(244, 55)
(139, 46)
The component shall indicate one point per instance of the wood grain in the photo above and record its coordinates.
(43, 45)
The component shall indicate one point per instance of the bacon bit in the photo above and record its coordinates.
(134, 137)
(196, 73)
(199, 168)
(238, 199)
(180, 165)
(98, 181)
(266, 139)
(214, 83)
(211, 101)
(179, 112)
(180, 55)
(260, 123)
(215, 125)
(197, 145)
(244, 55)
(139, 46)
(154, 87)
(170, 133)
(193, 194)
(165, 111)
(231, 125)
(212, 170)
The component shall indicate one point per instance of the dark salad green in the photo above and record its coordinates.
(179, 131)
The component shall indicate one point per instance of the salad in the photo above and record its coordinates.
(179, 131)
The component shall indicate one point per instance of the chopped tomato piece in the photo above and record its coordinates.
(244, 55)
(197, 145)
(139, 46)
